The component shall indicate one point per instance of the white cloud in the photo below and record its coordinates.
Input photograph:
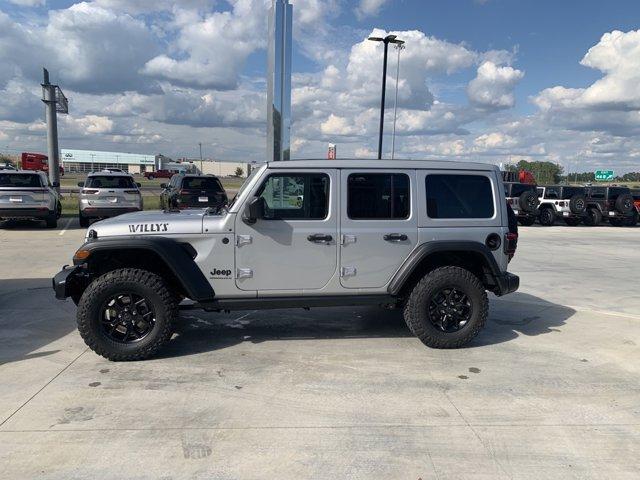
(369, 8)
(493, 86)
(494, 140)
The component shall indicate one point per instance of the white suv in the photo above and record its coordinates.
(561, 202)
(107, 194)
(429, 237)
(28, 195)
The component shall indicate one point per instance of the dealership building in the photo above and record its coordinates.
(91, 160)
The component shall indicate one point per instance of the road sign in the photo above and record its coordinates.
(604, 175)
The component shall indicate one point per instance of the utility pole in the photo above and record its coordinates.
(386, 40)
(200, 145)
(55, 102)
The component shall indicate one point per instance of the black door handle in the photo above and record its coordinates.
(320, 238)
(395, 237)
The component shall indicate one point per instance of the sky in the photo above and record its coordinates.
(483, 80)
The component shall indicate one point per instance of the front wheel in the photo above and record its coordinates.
(593, 217)
(447, 308)
(547, 217)
(51, 220)
(127, 314)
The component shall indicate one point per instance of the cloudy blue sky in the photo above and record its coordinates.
(487, 80)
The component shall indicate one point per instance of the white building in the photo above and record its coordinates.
(222, 169)
(92, 160)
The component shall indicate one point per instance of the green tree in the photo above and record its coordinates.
(239, 172)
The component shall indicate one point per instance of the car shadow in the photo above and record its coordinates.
(199, 331)
(65, 222)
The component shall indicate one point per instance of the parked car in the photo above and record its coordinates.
(561, 202)
(107, 194)
(428, 237)
(36, 162)
(193, 191)
(523, 198)
(613, 203)
(28, 195)
(7, 166)
(159, 174)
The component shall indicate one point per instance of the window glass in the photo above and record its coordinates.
(100, 181)
(20, 180)
(378, 196)
(540, 192)
(459, 196)
(551, 193)
(202, 183)
(296, 196)
(518, 189)
(597, 192)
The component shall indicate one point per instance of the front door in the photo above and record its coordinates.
(294, 248)
(378, 225)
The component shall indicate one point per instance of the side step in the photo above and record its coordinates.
(265, 303)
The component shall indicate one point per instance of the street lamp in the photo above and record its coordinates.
(386, 40)
(200, 145)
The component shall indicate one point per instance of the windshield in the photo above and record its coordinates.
(110, 181)
(20, 180)
(244, 186)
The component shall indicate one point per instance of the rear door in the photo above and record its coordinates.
(378, 225)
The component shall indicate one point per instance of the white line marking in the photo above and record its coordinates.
(62, 232)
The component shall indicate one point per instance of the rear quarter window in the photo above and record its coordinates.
(459, 196)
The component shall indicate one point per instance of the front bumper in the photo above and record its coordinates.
(99, 212)
(24, 212)
(506, 283)
(69, 281)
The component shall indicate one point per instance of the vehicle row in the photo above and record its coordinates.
(573, 205)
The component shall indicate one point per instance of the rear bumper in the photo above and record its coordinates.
(98, 212)
(24, 212)
(506, 283)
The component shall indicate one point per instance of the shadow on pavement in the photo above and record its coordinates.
(28, 225)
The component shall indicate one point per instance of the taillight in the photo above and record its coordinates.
(562, 204)
(89, 191)
(510, 244)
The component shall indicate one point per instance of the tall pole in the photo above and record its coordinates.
(384, 91)
(51, 116)
(200, 145)
(399, 47)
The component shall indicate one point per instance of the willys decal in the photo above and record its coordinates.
(148, 227)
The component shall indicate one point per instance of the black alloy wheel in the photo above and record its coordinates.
(450, 310)
(127, 317)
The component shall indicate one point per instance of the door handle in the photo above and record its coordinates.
(320, 238)
(395, 237)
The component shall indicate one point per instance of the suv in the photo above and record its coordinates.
(561, 201)
(301, 234)
(613, 203)
(29, 195)
(193, 191)
(107, 194)
(523, 198)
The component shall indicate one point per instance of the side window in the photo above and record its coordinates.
(378, 196)
(296, 196)
(459, 196)
(540, 192)
(552, 193)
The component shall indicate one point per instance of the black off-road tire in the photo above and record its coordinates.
(633, 220)
(51, 220)
(416, 313)
(526, 221)
(572, 222)
(529, 201)
(616, 222)
(593, 217)
(578, 204)
(547, 217)
(84, 221)
(141, 282)
(624, 203)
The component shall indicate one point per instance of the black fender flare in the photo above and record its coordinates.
(427, 249)
(175, 255)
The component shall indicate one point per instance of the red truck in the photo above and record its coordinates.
(37, 162)
(159, 174)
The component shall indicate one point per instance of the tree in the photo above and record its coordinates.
(239, 172)
(7, 160)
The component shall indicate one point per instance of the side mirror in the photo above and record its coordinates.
(254, 210)
(81, 184)
(139, 185)
(55, 184)
(162, 185)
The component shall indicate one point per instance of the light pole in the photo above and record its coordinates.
(398, 47)
(386, 40)
(200, 145)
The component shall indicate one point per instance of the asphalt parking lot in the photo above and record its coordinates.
(550, 389)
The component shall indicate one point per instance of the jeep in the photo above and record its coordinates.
(28, 195)
(561, 202)
(523, 198)
(426, 236)
(192, 191)
(612, 203)
(107, 194)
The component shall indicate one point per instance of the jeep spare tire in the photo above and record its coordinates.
(578, 204)
(529, 201)
(624, 203)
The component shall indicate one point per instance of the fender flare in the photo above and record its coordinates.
(427, 249)
(174, 254)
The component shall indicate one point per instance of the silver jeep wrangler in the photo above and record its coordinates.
(428, 237)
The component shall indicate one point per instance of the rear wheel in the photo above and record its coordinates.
(51, 220)
(547, 217)
(633, 220)
(572, 222)
(526, 221)
(84, 221)
(447, 308)
(593, 217)
(127, 314)
(616, 222)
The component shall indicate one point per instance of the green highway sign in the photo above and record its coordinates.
(604, 175)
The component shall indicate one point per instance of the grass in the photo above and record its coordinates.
(71, 181)
(70, 203)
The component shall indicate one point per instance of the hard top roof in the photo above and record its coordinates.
(384, 164)
(107, 173)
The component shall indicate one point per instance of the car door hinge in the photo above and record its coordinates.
(244, 273)
(347, 239)
(243, 240)
(348, 271)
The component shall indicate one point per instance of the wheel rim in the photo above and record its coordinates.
(127, 317)
(450, 309)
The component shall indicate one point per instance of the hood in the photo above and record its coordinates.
(151, 223)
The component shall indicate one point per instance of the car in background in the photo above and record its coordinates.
(523, 198)
(193, 191)
(561, 202)
(26, 195)
(7, 166)
(159, 174)
(613, 203)
(114, 170)
(36, 162)
(107, 194)
(633, 220)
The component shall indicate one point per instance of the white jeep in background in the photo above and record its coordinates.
(561, 202)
